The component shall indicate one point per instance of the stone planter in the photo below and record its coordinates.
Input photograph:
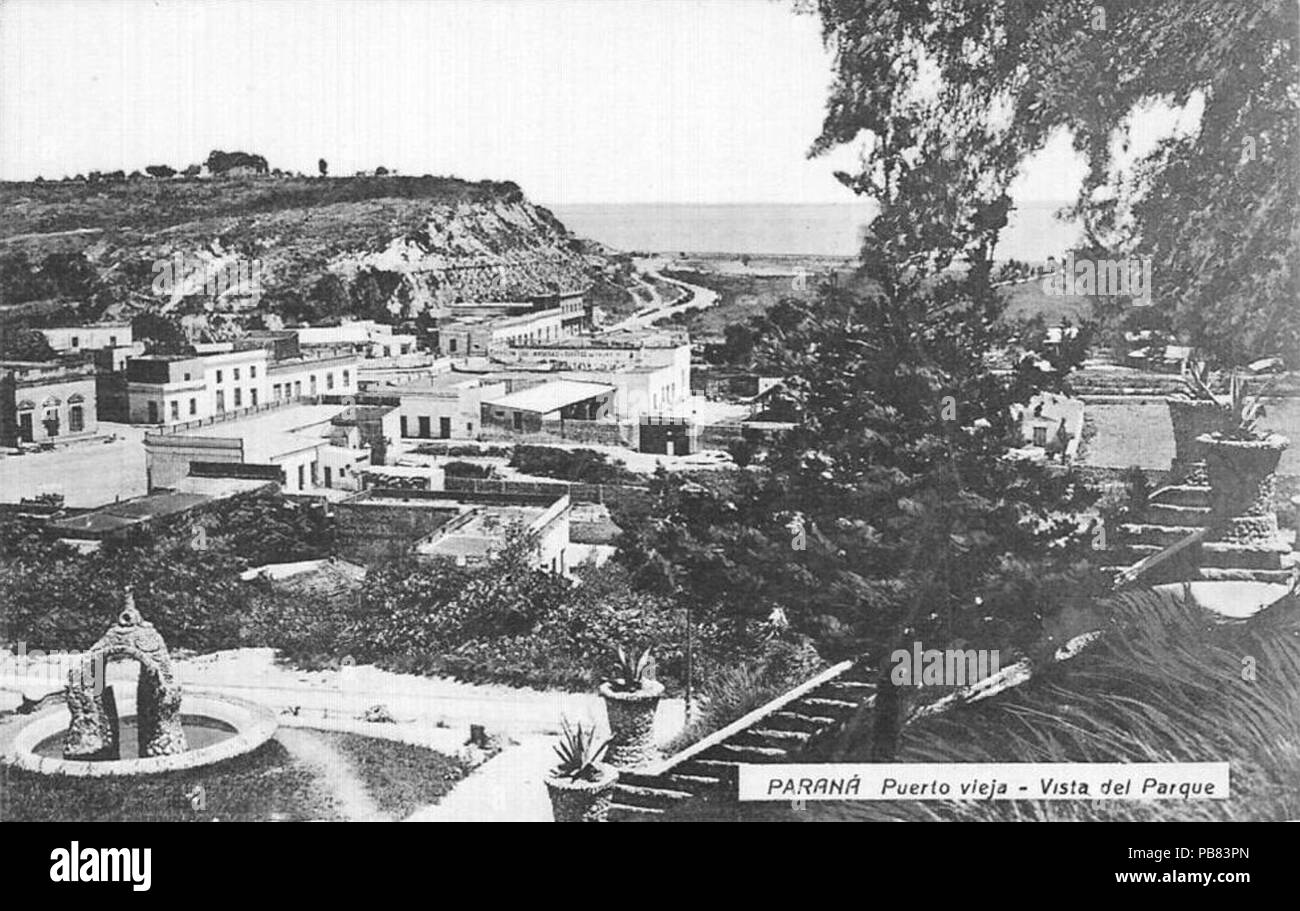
(1192, 419)
(1242, 478)
(631, 723)
(582, 801)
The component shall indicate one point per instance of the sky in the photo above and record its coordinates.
(577, 101)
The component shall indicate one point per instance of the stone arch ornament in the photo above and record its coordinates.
(92, 733)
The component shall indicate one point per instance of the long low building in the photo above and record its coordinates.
(124, 520)
(525, 410)
(468, 528)
(308, 448)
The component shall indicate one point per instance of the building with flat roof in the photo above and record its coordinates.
(299, 445)
(373, 339)
(665, 357)
(469, 528)
(46, 402)
(446, 406)
(330, 371)
(93, 337)
(525, 410)
(127, 519)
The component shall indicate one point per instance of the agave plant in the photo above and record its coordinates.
(578, 752)
(1244, 408)
(1196, 379)
(631, 670)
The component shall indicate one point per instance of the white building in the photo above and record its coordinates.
(73, 339)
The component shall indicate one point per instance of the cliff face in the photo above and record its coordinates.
(221, 254)
(480, 251)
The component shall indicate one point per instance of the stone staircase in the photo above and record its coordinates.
(1175, 512)
(780, 731)
(1090, 382)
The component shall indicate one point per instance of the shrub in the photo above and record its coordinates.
(459, 469)
(585, 466)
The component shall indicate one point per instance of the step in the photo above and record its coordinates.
(720, 770)
(623, 813)
(1214, 574)
(1168, 514)
(839, 707)
(798, 721)
(692, 784)
(852, 690)
(1182, 495)
(733, 752)
(773, 737)
(637, 796)
(671, 781)
(1225, 555)
(1161, 535)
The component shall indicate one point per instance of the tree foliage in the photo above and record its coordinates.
(983, 85)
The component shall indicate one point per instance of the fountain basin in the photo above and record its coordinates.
(246, 725)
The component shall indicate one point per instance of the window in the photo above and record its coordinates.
(404, 433)
(218, 376)
(452, 344)
(1040, 436)
(76, 419)
(153, 412)
(236, 372)
(275, 392)
(221, 401)
(112, 341)
(252, 372)
(347, 378)
(301, 478)
(187, 377)
(176, 411)
(194, 406)
(252, 397)
(239, 397)
(76, 342)
(312, 379)
(329, 381)
(297, 388)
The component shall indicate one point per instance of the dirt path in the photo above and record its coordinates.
(334, 772)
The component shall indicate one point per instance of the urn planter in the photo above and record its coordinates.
(1191, 419)
(631, 722)
(581, 800)
(1242, 477)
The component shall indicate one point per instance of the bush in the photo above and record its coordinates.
(586, 466)
(734, 691)
(460, 469)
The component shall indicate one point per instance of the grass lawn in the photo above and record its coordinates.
(400, 777)
(1029, 299)
(266, 785)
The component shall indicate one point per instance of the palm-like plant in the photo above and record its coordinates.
(631, 670)
(1243, 408)
(578, 752)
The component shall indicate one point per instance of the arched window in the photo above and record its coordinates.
(76, 398)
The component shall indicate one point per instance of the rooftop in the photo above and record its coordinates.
(117, 517)
(270, 434)
(551, 396)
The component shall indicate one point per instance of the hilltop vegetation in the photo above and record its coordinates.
(384, 247)
(147, 205)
